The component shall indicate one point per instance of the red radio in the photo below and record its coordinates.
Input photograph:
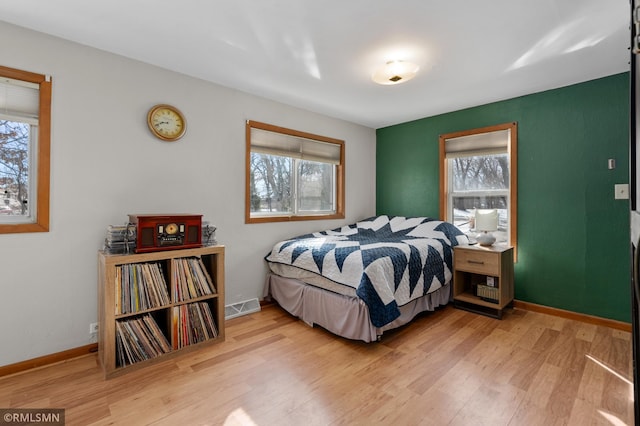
(166, 232)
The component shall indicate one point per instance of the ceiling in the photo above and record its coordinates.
(320, 55)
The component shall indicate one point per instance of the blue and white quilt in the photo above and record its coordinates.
(388, 260)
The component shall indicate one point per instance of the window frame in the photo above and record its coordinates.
(339, 180)
(42, 157)
(512, 149)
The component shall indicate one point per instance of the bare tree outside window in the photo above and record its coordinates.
(481, 172)
(480, 182)
(292, 175)
(14, 167)
(270, 183)
(315, 186)
(272, 179)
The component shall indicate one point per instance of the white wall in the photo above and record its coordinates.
(105, 164)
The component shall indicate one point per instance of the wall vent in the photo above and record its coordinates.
(241, 308)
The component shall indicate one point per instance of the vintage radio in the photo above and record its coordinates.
(167, 232)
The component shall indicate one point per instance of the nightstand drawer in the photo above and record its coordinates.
(487, 263)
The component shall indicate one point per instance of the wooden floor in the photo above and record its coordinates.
(450, 367)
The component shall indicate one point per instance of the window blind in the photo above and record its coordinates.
(272, 143)
(496, 142)
(19, 99)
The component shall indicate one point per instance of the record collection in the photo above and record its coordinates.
(140, 286)
(191, 279)
(138, 339)
(193, 323)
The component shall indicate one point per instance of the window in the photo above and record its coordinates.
(478, 171)
(25, 117)
(292, 175)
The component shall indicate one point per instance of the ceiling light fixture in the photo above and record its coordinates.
(395, 72)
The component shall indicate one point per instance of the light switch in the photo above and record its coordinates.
(621, 191)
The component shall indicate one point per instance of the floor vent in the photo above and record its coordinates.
(241, 308)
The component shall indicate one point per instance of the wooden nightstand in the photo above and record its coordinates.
(473, 268)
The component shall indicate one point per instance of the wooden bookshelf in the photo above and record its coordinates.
(152, 306)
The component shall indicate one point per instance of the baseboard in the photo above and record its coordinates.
(47, 359)
(618, 325)
(61, 356)
(84, 350)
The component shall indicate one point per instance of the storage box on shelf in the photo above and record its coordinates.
(154, 305)
(483, 279)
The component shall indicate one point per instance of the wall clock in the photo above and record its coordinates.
(166, 122)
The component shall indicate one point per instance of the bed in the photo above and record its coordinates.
(363, 279)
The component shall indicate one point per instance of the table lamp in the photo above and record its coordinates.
(486, 222)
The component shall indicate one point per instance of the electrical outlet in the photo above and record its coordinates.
(93, 328)
(621, 191)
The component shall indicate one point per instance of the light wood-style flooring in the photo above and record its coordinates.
(450, 367)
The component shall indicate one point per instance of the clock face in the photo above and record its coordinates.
(166, 122)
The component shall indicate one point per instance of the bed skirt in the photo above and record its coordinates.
(343, 315)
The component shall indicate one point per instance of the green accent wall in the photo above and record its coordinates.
(573, 236)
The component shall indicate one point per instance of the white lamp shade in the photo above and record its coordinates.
(486, 220)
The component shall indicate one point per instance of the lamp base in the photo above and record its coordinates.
(486, 239)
